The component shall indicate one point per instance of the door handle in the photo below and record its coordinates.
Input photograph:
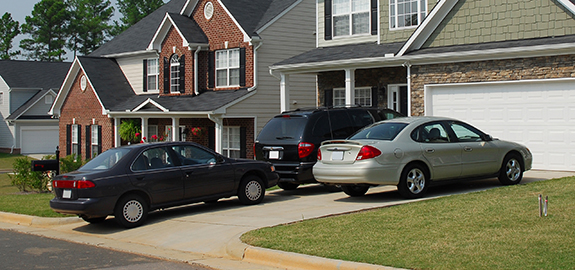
(189, 173)
(140, 178)
(430, 150)
(468, 149)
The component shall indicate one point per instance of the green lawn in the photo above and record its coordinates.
(6, 161)
(494, 229)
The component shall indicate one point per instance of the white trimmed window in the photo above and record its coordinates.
(95, 141)
(175, 74)
(362, 97)
(75, 139)
(351, 17)
(228, 68)
(406, 13)
(231, 142)
(153, 74)
(152, 130)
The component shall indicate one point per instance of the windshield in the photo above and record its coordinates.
(384, 131)
(105, 160)
(283, 128)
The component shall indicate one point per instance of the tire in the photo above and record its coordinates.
(131, 211)
(354, 190)
(251, 190)
(93, 220)
(287, 185)
(413, 182)
(511, 171)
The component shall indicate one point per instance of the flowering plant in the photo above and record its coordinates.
(198, 131)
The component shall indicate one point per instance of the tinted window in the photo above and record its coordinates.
(360, 118)
(287, 128)
(105, 160)
(383, 131)
(430, 133)
(155, 158)
(191, 155)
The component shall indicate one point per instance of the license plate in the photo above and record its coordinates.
(67, 194)
(337, 155)
(274, 154)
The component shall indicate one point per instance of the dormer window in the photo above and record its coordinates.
(175, 74)
(351, 17)
(406, 13)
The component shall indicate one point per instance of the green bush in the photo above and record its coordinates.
(130, 130)
(25, 179)
(71, 163)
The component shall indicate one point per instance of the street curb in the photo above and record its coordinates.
(20, 219)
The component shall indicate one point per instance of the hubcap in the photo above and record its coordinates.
(253, 190)
(415, 181)
(513, 170)
(133, 211)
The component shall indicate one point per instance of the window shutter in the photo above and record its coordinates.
(145, 75)
(99, 139)
(211, 70)
(403, 99)
(80, 141)
(328, 98)
(212, 138)
(242, 66)
(166, 75)
(327, 21)
(68, 140)
(374, 16)
(183, 74)
(243, 142)
(374, 97)
(88, 141)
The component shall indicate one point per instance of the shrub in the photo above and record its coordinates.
(25, 179)
(70, 163)
(128, 130)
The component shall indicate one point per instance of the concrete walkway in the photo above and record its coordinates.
(209, 234)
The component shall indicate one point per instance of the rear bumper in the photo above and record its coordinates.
(296, 173)
(368, 172)
(90, 207)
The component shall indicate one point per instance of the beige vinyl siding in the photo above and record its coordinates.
(133, 69)
(336, 41)
(291, 35)
(6, 138)
(395, 35)
(490, 21)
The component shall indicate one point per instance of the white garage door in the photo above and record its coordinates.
(538, 114)
(39, 140)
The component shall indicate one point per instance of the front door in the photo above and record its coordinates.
(397, 98)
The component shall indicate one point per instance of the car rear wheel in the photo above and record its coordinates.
(288, 185)
(251, 190)
(354, 190)
(131, 211)
(511, 171)
(93, 220)
(413, 182)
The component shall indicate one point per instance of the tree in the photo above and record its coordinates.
(89, 26)
(9, 29)
(48, 27)
(133, 11)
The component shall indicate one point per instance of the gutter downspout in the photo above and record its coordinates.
(196, 53)
(256, 67)
(218, 132)
(408, 66)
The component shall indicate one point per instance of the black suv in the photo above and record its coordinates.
(290, 140)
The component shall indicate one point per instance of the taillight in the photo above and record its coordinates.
(304, 149)
(319, 154)
(368, 152)
(79, 184)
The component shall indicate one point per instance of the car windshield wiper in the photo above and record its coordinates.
(284, 137)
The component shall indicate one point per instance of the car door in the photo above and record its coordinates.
(205, 173)
(479, 156)
(155, 172)
(439, 149)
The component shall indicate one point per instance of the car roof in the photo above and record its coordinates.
(419, 119)
(311, 110)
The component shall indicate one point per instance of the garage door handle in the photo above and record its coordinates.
(468, 149)
(430, 150)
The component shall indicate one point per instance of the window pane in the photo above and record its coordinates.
(152, 83)
(222, 77)
(234, 59)
(340, 6)
(361, 23)
(359, 5)
(341, 25)
(234, 77)
(221, 59)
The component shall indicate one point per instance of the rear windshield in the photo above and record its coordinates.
(383, 131)
(105, 160)
(283, 128)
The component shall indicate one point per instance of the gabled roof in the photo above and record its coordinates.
(252, 15)
(19, 113)
(138, 37)
(190, 32)
(33, 74)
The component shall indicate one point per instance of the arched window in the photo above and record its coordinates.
(175, 73)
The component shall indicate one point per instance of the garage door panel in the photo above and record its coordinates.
(539, 114)
(39, 140)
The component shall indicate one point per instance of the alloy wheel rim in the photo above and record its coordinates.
(513, 170)
(415, 181)
(253, 190)
(133, 211)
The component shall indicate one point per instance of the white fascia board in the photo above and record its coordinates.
(50, 91)
(189, 7)
(272, 21)
(202, 114)
(128, 54)
(430, 23)
(65, 88)
(568, 5)
(247, 37)
(150, 101)
(162, 32)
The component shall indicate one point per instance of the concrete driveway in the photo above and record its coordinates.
(209, 233)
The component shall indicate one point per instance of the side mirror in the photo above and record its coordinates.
(488, 138)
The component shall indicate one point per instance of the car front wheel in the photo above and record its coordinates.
(354, 190)
(131, 211)
(251, 190)
(413, 182)
(511, 171)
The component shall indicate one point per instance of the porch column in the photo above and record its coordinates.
(350, 87)
(284, 93)
(117, 141)
(144, 128)
(175, 129)
(218, 131)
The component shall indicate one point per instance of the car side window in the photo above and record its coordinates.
(152, 159)
(192, 155)
(430, 133)
(465, 133)
(360, 118)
